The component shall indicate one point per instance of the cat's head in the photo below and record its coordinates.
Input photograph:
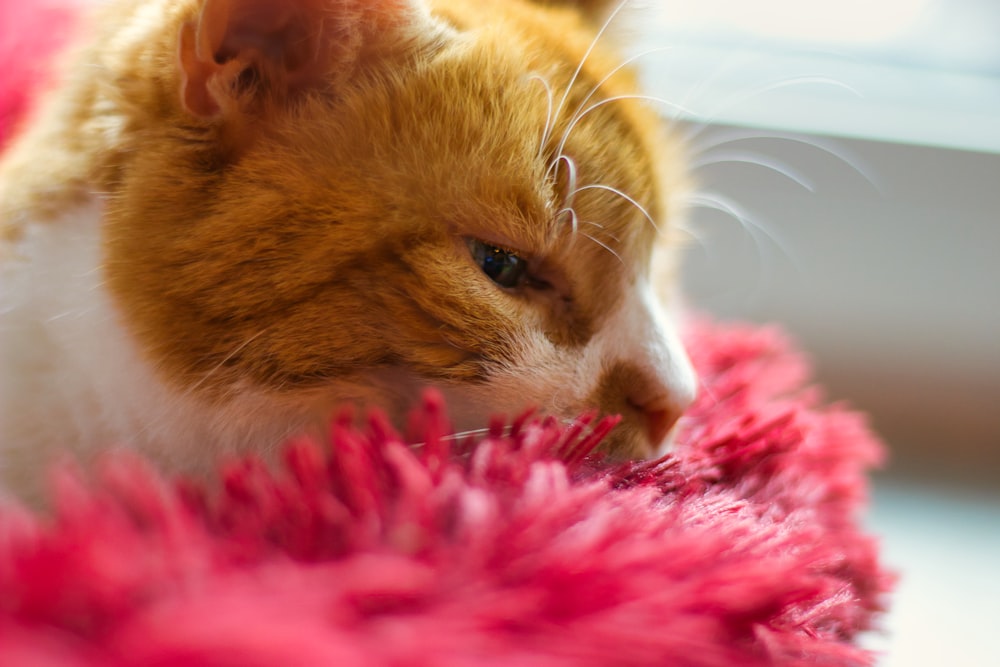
(353, 199)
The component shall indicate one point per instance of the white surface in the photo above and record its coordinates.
(946, 546)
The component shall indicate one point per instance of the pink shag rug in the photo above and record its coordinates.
(519, 548)
(742, 548)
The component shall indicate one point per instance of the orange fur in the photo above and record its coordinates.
(287, 188)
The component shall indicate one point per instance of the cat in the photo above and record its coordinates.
(231, 216)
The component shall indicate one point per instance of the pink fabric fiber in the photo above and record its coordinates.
(516, 548)
(519, 548)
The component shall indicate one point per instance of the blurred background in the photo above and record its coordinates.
(847, 162)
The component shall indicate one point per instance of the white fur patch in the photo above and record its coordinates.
(74, 381)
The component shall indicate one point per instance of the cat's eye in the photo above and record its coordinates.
(504, 267)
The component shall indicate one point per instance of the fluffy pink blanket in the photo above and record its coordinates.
(742, 548)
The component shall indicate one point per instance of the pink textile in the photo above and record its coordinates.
(741, 548)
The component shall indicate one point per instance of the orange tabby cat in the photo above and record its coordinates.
(233, 215)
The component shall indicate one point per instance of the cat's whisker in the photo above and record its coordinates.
(758, 159)
(603, 230)
(693, 93)
(609, 75)
(189, 393)
(831, 148)
(718, 202)
(236, 350)
(459, 435)
(570, 195)
(571, 172)
(706, 121)
(706, 389)
(619, 193)
(590, 49)
(750, 52)
(504, 432)
(603, 245)
(617, 98)
(549, 119)
(573, 218)
(688, 232)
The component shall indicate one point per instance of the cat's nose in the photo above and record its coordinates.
(657, 400)
(657, 416)
(649, 399)
(646, 376)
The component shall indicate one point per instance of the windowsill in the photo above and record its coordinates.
(823, 94)
(944, 543)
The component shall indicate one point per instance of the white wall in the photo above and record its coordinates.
(893, 284)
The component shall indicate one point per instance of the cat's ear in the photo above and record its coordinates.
(239, 49)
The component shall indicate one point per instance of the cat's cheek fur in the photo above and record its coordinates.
(74, 381)
(635, 366)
